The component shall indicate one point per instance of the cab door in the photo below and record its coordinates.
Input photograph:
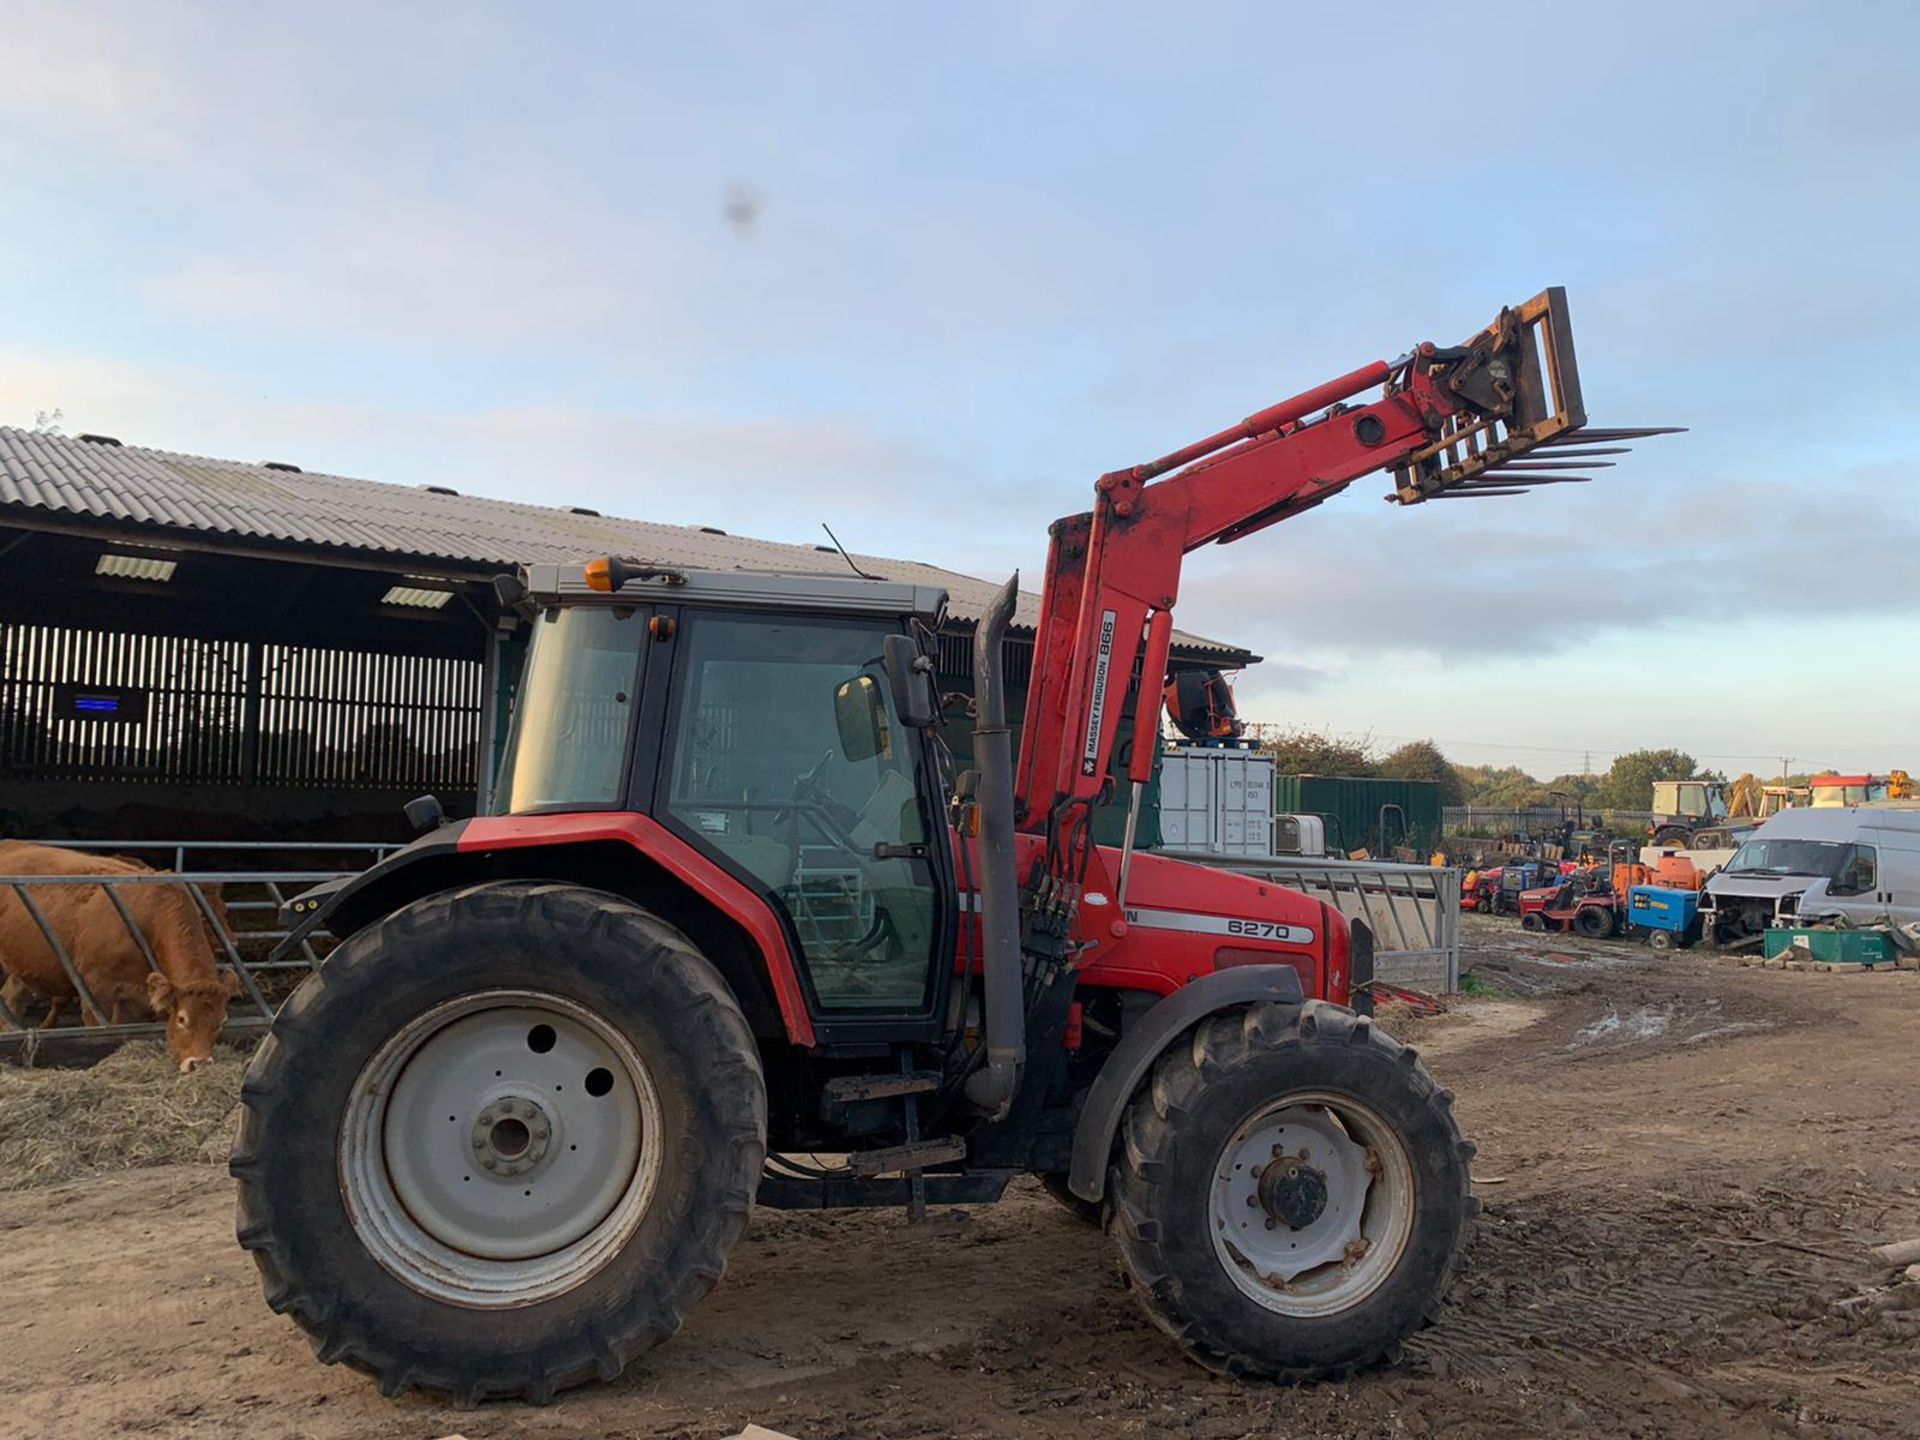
(785, 760)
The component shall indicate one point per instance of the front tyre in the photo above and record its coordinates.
(1290, 1193)
(501, 1142)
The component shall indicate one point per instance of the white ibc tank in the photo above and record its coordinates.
(1216, 800)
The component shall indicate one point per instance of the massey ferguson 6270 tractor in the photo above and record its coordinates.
(733, 934)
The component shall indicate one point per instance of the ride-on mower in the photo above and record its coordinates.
(1578, 902)
(732, 935)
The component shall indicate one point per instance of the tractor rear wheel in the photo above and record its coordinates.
(1290, 1193)
(501, 1142)
(1594, 921)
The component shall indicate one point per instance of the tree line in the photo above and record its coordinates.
(1626, 784)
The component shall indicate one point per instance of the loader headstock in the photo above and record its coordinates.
(1522, 421)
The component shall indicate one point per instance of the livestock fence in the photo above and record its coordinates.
(240, 904)
(1413, 910)
(83, 704)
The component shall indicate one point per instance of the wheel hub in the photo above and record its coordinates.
(511, 1135)
(1292, 1191)
(1311, 1203)
(500, 1146)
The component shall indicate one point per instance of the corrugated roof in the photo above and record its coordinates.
(156, 489)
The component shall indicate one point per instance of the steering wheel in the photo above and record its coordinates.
(809, 793)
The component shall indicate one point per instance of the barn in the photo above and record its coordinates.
(248, 650)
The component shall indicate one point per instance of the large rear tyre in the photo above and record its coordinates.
(1594, 922)
(501, 1142)
(1290, 1193)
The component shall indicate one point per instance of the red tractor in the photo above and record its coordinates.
(734, 935)
(1571, 904)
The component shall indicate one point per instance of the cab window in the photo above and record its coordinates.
(573, 716)
(787, 758)
(1856, 873)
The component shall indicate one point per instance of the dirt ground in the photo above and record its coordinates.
(1682, 1165)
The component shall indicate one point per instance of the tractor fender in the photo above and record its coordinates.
(1144, 1043)
(314, 907)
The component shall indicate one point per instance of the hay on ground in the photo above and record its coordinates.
(132, 1109)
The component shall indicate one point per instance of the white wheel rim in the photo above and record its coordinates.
(500, 1149)
(1331, 1220)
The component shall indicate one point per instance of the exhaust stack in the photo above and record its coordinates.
(993, 1087)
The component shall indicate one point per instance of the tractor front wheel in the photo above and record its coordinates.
(501, 1142)
(1290, 1193)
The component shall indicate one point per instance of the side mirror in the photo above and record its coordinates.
(860, 715)
(910, 677)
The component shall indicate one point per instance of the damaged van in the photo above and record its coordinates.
(1860, 862)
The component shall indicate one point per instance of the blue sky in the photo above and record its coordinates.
(1000, 249)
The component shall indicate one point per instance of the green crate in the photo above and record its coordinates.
(1834, 947)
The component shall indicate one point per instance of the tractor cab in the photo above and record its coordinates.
(758, 718)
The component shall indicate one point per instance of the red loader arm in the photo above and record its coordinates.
(1445, 420)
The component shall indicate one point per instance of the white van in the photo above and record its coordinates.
(1860, 861)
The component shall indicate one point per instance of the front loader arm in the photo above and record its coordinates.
(1446, 420)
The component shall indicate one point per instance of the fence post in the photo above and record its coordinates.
(88, 1004)
(250, 715)
(233, 953)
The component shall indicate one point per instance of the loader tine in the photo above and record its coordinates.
(1557, 465)
(1468, 492)
(1571, 437)
(1502, 480)
(1560, 450)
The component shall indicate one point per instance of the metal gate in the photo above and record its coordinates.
(249, 940)
(1413, 910)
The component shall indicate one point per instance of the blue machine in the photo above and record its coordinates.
(1516, 876)
(1670, 918)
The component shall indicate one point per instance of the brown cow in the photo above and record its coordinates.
(189, 991)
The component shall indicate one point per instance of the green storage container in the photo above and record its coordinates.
(1353, 806)
(1834, 947)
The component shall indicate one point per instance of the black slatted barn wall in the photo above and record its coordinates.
(80, 704)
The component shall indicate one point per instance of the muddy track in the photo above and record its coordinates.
(1682, 1165)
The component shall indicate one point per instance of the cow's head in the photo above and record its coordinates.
(194, 1014)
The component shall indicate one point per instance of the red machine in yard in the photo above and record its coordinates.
(733, 916)
(1573, 904)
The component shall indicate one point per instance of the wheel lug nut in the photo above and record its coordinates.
(1269, 1222)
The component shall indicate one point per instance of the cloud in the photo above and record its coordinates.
(1541, 572)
